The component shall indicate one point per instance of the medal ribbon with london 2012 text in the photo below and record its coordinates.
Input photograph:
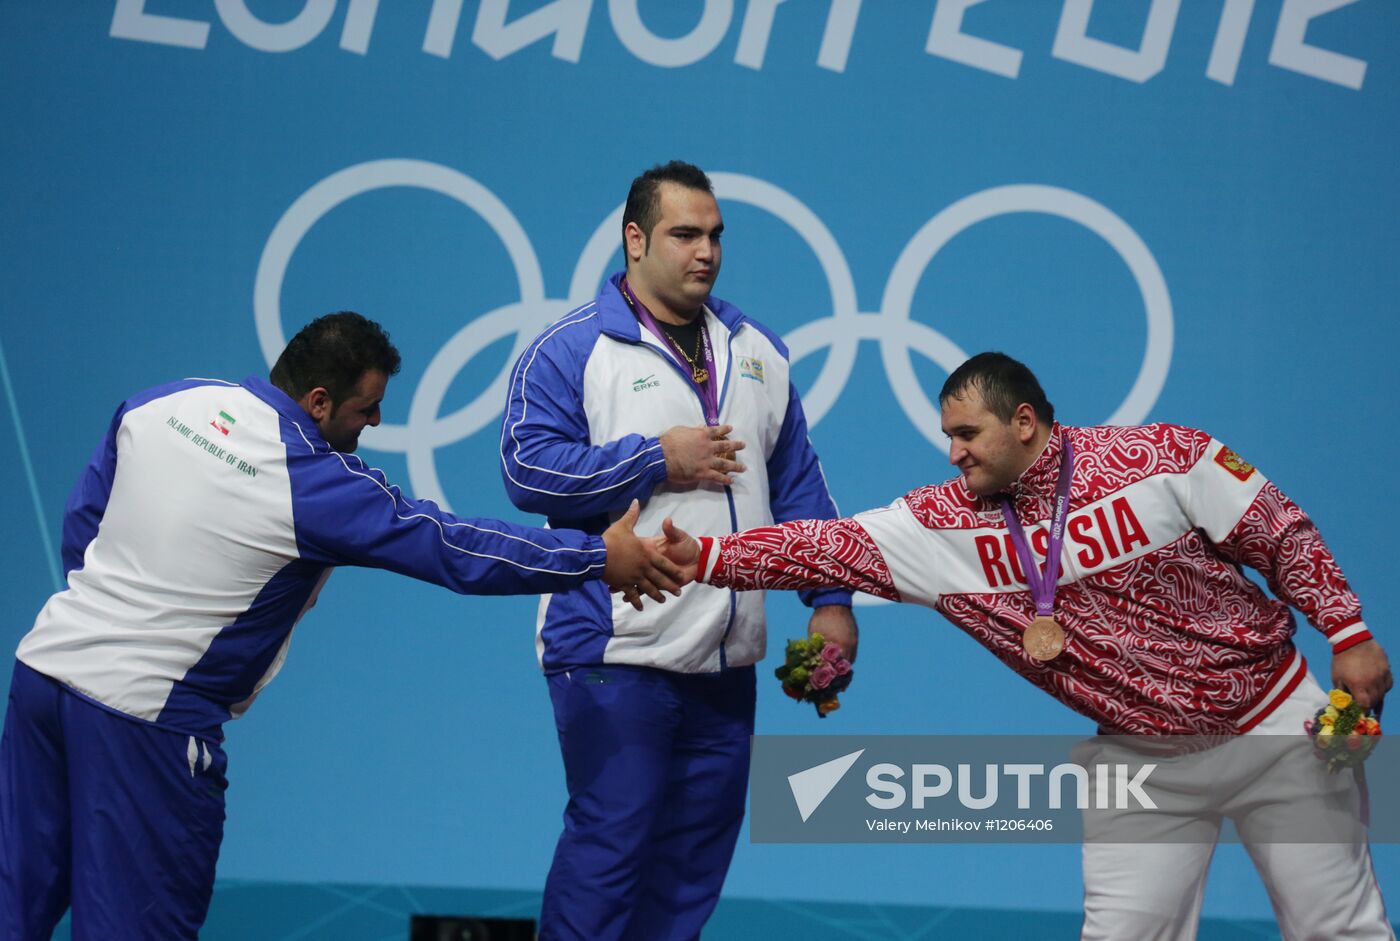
(1044, 638)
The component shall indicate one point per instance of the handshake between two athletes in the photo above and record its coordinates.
(648, 565)
(665, 562)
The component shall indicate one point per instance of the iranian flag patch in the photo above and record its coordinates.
(224, 422)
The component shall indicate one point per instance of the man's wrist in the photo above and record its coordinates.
(1347, 635)
(825, 597)
(662, 470)
(708, 559)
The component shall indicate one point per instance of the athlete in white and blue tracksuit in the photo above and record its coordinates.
(203, 528)
(654, 708)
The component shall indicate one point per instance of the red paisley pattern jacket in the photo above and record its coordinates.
(1165, 634)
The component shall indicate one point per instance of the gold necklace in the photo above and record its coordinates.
(699, 373)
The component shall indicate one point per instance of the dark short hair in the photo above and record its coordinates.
(1003, 383)
(644, 198)
(333, 352)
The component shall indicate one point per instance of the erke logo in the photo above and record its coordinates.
(646, 382)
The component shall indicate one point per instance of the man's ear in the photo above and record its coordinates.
(1026, 422)
(634, 241)
(317, 403)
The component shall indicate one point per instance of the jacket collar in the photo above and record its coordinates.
(285, 406)
(1041, 478)
(618, 321)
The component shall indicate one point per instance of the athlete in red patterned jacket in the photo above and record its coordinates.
(1163, 634)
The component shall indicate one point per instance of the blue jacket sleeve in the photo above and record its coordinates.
(88, 501)
(548, 461)
(346, 513)
(797, 488)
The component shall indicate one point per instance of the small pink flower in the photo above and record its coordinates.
(842, 666)
(1307, 726)
(822, 676)
(831, 653)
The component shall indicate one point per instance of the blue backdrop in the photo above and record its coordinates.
(1172, 211)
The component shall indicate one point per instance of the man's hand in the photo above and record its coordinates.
(1364, 670)
(700, 452)
(679, 547)
(837, 624)
(634, 565)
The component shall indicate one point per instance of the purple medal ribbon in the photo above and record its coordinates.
(709, 398)
(1042, 586)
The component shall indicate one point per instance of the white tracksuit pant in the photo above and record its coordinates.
(1151, 889)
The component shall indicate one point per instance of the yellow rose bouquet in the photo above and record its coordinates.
(1343, 734)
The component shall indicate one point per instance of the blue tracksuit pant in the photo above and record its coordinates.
(116, 817)
(657, 768)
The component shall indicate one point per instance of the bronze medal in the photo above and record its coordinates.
(1043, 639)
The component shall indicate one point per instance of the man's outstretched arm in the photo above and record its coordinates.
(837, 553)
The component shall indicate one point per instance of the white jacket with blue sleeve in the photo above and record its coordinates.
(204, 527)
(588, 401)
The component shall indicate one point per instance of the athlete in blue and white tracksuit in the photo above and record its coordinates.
(202, 529)
(654, 708)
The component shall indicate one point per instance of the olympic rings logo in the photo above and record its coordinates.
(841, 333)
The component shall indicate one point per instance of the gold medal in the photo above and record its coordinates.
(700, 374)
(1043, 639)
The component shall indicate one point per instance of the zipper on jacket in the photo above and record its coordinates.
(733, 595)
(733, 510)
(728, 494)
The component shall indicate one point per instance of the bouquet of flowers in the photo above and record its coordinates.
(1343, 733)
(815, 671)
